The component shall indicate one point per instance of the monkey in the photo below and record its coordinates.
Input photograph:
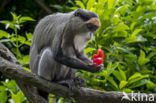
(57, 49)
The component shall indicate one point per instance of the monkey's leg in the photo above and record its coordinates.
(45, 68)
(79, 81)
(68, 83)
(73, 83)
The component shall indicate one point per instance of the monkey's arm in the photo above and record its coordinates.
(76, 63)
(81, 55)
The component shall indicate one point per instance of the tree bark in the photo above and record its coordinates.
(27, 81)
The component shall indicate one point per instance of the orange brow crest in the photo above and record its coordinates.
(95, 21)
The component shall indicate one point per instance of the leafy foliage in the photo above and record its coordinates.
(9, 91)
(127, 36)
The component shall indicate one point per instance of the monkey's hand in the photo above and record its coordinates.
(94, 69)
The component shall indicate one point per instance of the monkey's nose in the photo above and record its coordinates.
(95, 21)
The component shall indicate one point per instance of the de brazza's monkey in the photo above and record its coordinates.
(57, 49)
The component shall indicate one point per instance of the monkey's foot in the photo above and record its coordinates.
(79, 81)
(68, 83)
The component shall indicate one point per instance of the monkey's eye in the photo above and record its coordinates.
(92, 27)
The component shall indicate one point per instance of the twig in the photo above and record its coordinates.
(43, 6)
(4, 3)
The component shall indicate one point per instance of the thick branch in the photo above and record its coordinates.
(82, 95)
(28, 90)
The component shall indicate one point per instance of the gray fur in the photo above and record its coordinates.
(53, 34)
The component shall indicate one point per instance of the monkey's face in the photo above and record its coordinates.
(85, 23)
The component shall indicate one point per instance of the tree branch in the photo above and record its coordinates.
(43, 6)
(83, 95)
(4, 3)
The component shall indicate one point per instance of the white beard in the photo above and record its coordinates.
(80, 41)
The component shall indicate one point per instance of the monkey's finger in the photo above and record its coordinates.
(100, 67)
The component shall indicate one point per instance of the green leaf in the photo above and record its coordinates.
(152, 54)
(13, 39)
(135, 39)
(28, 43)
(139, 83)
(11, 86)
(74, 8)
(117, 75)
(130, 57)
(21, 39)
(8, 24)
(3, 97)
(151, 85)
(122, 84)
(24, 19)
(116, 19)
(122, 9)
(121, 27)
(136, 77)
(133, 25)
(4, 40)
(5, 22)
(16, 98)
(21, 96)
(142, 58)
(136, 31)
(2, 88)
(3, 34)
(111, 67)
(87, 50)
(58, 7)
(127, 90)
(80, 4)
(90, 4)
(24, 59)
(147, 16)
(146, 71)
(15, 17)
(111, 80)
(28, 69)
(122, 73)
(111, 4)
(29, 36)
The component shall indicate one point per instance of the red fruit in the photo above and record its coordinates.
(100, 53)
(98, 58)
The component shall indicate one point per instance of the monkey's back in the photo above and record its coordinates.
(49, 29)
(47, 33)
